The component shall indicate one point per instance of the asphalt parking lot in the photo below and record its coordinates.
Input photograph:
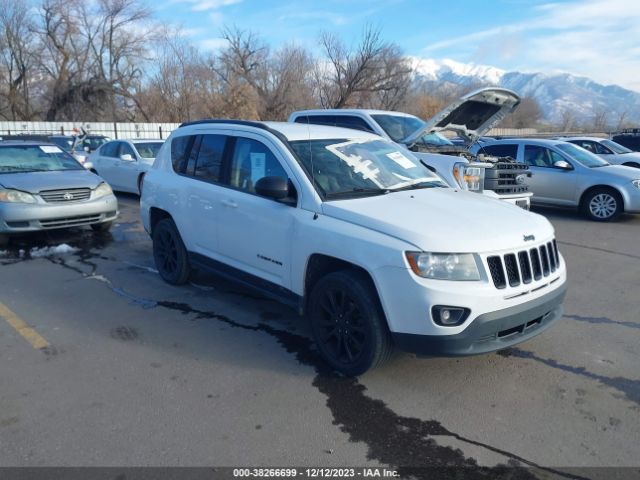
(117, 368)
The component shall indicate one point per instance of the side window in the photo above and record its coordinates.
(209, 161)
(110, 149)
(251, 161)
(540, 156)
(180, 147)
(125, 148)
(356, 123)
(601, 149)
(509, 150)
(590, 146)
(319, 120)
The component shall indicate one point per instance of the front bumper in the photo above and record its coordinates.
(21, 217)
(491, 331)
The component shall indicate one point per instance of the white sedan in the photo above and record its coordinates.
(608, 150)
(123, 163)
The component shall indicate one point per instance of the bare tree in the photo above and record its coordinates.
(280, 80)
(567, 120)
(527, 115)
(93, 55)
(600, 120)
(348, 77)
(18, 58)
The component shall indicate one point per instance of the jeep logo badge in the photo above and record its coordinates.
(68, 196)
(529, 238)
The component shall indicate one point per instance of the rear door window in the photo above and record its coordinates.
(210, 155)
(180, 149)
(509, 150)
(110, 149)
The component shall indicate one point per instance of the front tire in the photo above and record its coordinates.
(169, 253)
(602, 204)
(348, 324)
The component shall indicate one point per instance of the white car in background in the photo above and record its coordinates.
(608, 150)
(123, 163)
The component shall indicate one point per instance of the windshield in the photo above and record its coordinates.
(400, 127)
(361, 167)
(616, 147)
(581, 155)
(35, 158)
(148, 149)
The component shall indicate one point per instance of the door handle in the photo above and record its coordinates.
(229, 203)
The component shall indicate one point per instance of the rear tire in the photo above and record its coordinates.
(602, 204)
(169, 253)
(349, 327)
(101, 227)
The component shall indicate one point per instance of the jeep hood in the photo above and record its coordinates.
(34, 182)
(444, 220)
(472, 115)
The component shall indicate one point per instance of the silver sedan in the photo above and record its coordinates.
(43, 188)
(608, 150)
(570, 176)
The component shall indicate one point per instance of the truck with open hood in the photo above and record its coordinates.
(470, 117)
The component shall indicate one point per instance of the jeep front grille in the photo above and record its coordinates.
(524, 267)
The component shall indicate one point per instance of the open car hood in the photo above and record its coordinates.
(472, 115)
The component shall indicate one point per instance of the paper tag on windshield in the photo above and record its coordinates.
(401, 160)
(258, 166)
(50, 149)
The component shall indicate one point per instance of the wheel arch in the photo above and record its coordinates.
(155, 215)
(319, 265)
(584, 194)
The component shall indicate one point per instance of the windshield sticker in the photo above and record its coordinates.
(401, 160)
(258, 166)
(50, 149)
(355, 161)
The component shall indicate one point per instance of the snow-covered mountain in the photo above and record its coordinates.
(556, 93)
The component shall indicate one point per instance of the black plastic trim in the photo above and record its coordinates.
(265, 287)
(491, 331)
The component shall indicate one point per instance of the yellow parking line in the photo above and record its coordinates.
(28, 333)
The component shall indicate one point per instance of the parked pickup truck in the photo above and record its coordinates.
(469, 117)
(356, 234)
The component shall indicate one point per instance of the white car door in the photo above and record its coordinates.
(126, 172)
(549, 183)
(255, 232)
(104, 163)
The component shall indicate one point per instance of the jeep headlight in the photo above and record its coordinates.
(444, 266)
(469, 177)
(102, 190)
(16, 196)
(636, 183)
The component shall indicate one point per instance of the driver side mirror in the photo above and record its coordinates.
(275, 188)
(561, 164)
(87, 149)
(126, 157)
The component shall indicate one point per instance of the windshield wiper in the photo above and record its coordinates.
(356, 192)
(419, 185)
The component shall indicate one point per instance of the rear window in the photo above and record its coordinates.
(180, 147)
(35, 158)
(509, 150)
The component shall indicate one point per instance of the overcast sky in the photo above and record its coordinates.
(596, 38)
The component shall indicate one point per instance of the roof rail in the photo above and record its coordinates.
(248, 123)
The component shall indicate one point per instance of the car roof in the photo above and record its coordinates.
(532, 141)
(351, 111)
(593, 139)
(26, 143)
(292, 131)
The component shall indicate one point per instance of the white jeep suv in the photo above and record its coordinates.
(354, 232)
